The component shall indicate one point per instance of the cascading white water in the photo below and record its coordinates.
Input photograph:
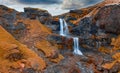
(76, 46)
(64, 31)
(63, 27)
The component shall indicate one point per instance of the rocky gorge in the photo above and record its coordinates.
(30, 41)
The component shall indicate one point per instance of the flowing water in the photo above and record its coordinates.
(63, 28)
(76, 46)
(64, 31)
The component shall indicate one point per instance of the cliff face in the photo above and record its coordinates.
(108, 18)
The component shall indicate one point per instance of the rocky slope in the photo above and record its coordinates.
(16, 57)
(30, 40)
(30, 32)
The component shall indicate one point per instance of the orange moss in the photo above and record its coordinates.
(104, 50)
(34, 30)
(37, 33)
(35, 26)
(49, 50)
(114, 51)
(9, 46)
(46, 48)
(116, 56)
(116, 44)
(109, 65)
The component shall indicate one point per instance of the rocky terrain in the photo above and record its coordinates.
(30, 41)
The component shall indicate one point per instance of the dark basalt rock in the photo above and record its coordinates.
(42, 15)
(4, 7)
(20, 26)
(103, 26)
(108, 18)
(83, 27)
(36, 11)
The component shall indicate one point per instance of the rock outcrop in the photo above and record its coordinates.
(102, 23)
(30, 32)
(34, 13)
(108, 17)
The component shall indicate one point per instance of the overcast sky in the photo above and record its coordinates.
(55, 7)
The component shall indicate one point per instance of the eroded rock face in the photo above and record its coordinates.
(100, 27)
(8, 17)
(108, 18)
(83, 28)
(42, 15)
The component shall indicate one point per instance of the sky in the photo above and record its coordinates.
(55, 7)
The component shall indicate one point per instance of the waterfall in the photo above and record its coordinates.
(63, 27)
(64, 31)
(76, 46)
